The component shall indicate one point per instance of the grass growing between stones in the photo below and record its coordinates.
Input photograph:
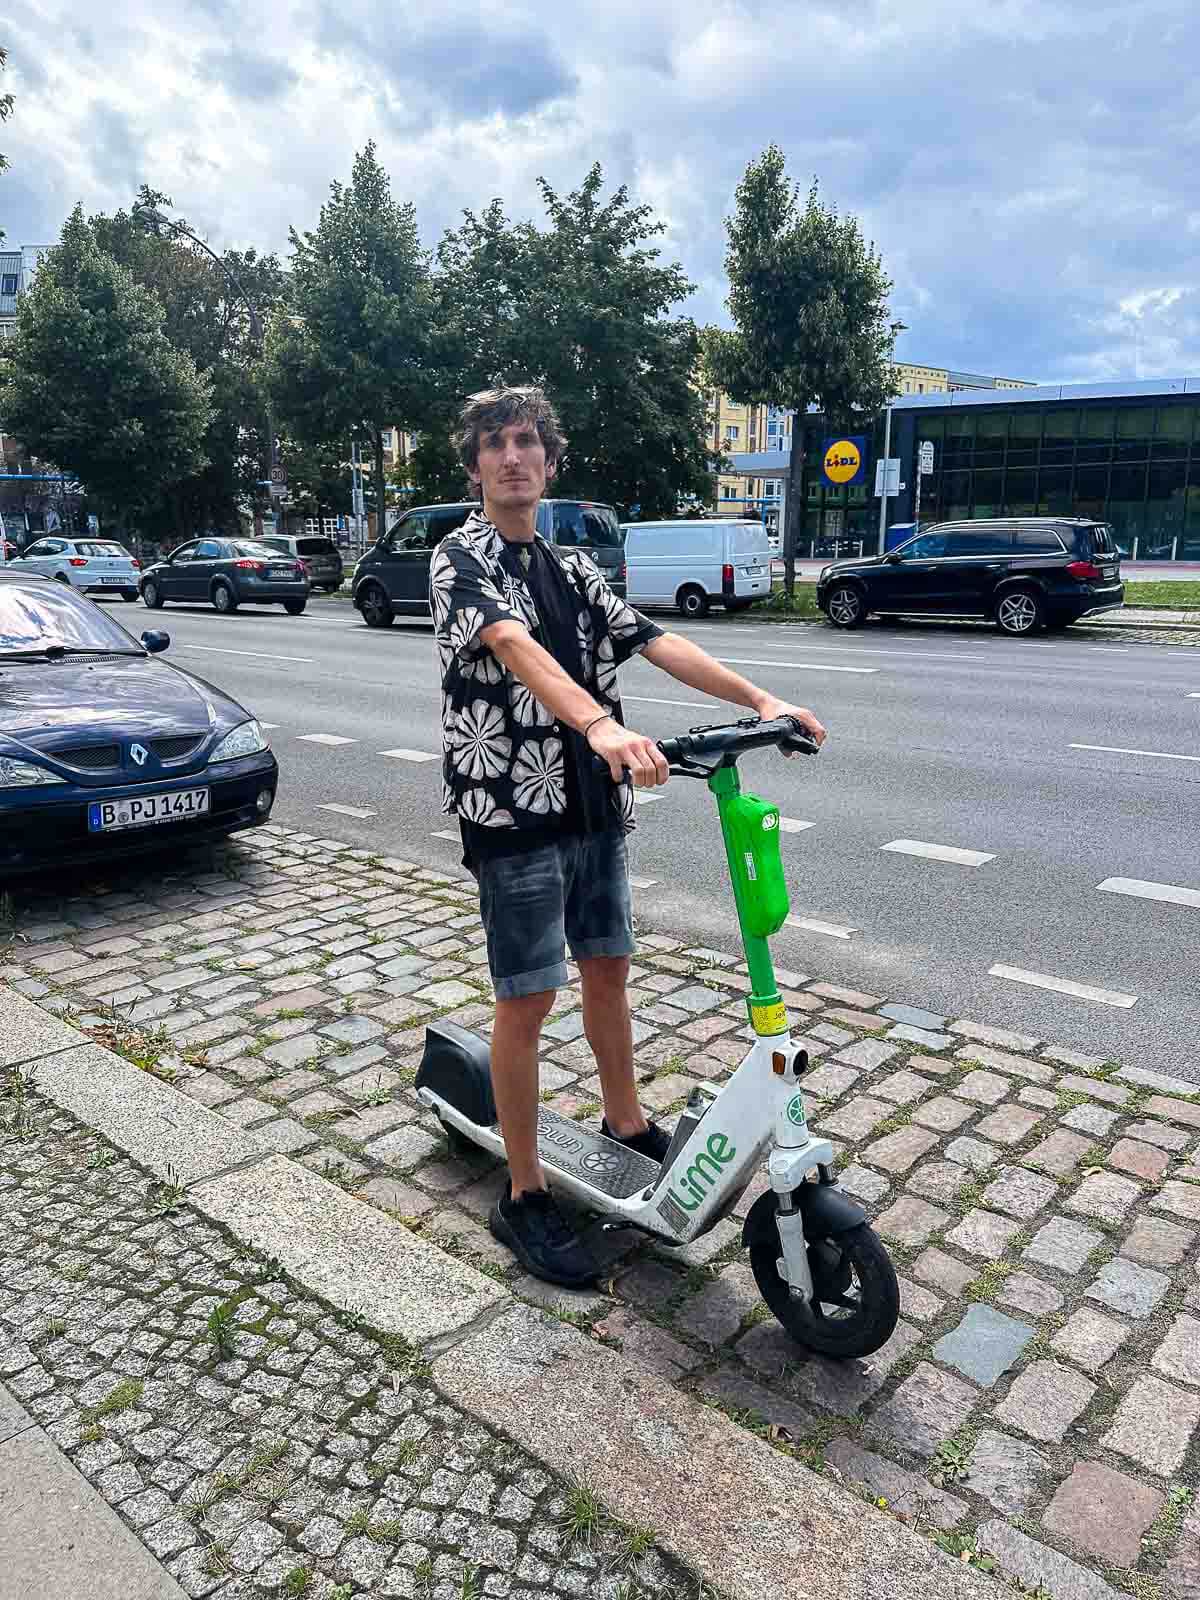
(126, 1394)
(987, 1285)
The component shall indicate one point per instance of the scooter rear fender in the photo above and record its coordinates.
(456, 1065)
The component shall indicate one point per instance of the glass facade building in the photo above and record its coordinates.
(1128, 455)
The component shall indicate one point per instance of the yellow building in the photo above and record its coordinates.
(737, 428)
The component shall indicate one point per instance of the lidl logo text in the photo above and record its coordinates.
(843, 461)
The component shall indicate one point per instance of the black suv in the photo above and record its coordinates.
(1022, 573)
(393, 576)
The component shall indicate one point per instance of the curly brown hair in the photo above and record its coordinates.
(496, 408)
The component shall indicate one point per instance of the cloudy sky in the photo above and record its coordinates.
(1030, 171)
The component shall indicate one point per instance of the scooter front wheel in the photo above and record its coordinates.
(856, 1299)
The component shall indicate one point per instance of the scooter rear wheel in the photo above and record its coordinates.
(856, 1299)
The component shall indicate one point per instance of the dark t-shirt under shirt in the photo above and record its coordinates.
(587, 788)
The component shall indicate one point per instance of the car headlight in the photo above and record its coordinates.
(246, 739)
(24, 775)
(824, 573)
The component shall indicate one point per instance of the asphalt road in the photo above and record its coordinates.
(940, 735)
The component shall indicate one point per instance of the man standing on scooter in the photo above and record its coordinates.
(530, 638)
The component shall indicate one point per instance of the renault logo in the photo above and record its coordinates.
(138, 754)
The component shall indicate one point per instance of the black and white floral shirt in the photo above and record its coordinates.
(503, 752)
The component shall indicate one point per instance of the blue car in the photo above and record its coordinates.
(106, 751)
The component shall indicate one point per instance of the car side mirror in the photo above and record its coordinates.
(156, 641)
(893, 558)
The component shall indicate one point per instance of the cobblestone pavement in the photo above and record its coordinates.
(255, 1443)
(1040, 1400)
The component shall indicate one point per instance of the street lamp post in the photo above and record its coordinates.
(153, 219)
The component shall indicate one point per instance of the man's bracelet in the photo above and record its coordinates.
(603, 717)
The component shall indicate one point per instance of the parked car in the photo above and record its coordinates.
(695, 564)
(1022, 573)
(95, 565)
(393, 576)
(105, 750)
(227, 573)
(320, 558)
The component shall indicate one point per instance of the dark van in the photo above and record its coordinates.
(392, 579)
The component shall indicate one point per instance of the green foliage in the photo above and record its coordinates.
(6, 106)
(808, 297)
(93, 382)
(127, 1393)
(362, 349)
(581, 305)
(221, 1320)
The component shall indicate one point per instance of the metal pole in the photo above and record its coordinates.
(883, 499)
(917, 499)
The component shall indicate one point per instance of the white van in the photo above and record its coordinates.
(693, 564)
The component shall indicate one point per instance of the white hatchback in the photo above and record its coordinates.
(98, 565)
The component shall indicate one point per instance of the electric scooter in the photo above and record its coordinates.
(821, 1270)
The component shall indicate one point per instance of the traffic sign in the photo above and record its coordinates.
(278, 474)
(926, 457)
(887, 477)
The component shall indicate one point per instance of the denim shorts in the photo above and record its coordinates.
(573, 893)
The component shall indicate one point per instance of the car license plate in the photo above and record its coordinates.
(113, 580)
(141, 810)
(280, 572)
(754, 572)
(1110, 572)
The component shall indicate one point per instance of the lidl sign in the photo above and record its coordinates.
(845, 460)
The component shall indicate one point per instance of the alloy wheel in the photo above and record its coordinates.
(1017, 613)
(845, 607)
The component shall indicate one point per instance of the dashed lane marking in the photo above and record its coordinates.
(258, 655)
(938, 852)
(1118, 750)
(1140, 889)
(270, 725)
(812, 925)
(794, 825)
(643, 883)
(1081, 991)
(445, 833)
(348, 811)
(797, 666)
(324, 738)
(410, 755)
(643, 799)
(694, 705)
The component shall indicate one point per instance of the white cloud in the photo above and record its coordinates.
(1027, 169)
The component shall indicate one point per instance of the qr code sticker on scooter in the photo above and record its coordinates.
(673, 1214)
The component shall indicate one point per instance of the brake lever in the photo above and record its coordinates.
(800, 747)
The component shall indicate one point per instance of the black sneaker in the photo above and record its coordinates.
(653, 1143)
(542, 1239)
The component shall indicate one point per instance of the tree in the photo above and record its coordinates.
(93, 383)
(6, 107)
(205, 316)
(582, 307)
(360, 350)
(811, 323)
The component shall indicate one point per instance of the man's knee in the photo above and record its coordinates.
(604, 975)
(525, 1013)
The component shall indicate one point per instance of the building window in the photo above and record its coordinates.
(8, 283)
(920, 388)
(731, 430)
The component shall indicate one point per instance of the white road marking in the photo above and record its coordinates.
(1192, 697)
(695, 705)
(444, 833)
(1118, 750)
(259, 655)
(324, 738)
(938, 852)
(812, 925)
(270, 724)
(799, 666)
(348, 811)
(1142, 890)
(1081, 991)
(643, 799)
(864, 650)
(794, 825)
(643, 883)
(410, 755)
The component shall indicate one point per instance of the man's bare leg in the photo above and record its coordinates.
(609, 1030)
(515, 1034)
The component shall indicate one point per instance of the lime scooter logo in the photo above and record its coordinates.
(704, 1171)
(795, 1110)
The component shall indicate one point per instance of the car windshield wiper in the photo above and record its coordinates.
(56, 652)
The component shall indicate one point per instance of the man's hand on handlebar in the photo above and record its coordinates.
(772, 707)
(622, 749)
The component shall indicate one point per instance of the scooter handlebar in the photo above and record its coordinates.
(703, 747)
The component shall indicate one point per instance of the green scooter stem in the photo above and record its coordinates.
(768, 1015)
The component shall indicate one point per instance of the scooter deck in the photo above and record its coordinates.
(612, 1168)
